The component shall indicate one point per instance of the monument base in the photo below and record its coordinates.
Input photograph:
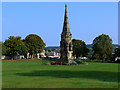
(70, 61)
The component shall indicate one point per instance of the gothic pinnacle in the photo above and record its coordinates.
(66, 23)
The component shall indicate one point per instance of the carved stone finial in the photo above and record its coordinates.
(65, 5)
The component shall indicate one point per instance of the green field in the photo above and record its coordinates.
(32, 74)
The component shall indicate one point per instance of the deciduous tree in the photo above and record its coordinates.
(102, 47)
(14, 46)
(117, 52)
(79, 48)
(34, 44)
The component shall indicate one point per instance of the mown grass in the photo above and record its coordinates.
(32, 74)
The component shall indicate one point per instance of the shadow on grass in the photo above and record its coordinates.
(98, 75)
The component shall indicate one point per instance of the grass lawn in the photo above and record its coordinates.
(32, 74)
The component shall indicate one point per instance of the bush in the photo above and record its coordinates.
(96, 60)
(105, 61)
(108, 61)
(85, 63)
(59, 63)
(65, 63)
(53, 63)
(48, 63)
(73, 63)
(81, 62)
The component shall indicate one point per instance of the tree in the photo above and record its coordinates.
(102, 47)
(117, 52)
(4, 49)
(0, 47)
(14, 46)
(79, 48)
(34, 44)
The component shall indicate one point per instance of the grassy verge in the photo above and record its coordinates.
(32, 74)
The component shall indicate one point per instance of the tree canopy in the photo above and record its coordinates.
(79, 48)
(117, 52)
(14, 46)
(4, 49)
(34, 44)
(102, 47)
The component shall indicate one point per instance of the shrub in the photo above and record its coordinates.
(65, 63)
(81, 62)
(53, 63)
(85, 63)
(48, 63)
(73, 63)
(59, 63)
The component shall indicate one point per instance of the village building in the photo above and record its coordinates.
(52, 54)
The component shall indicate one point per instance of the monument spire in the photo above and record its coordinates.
(66, 23)
(66, 11)
(66, 42)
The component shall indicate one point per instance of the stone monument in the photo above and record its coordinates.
(66, 42)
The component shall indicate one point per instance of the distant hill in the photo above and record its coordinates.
(88, 46)
(115, 46)
(52, 47)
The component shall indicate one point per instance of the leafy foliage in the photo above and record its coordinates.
(13, 46)
(117, 51)
(4, 49)
(34, 44)
(81, 62)
(102, 47)
(79, 48)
